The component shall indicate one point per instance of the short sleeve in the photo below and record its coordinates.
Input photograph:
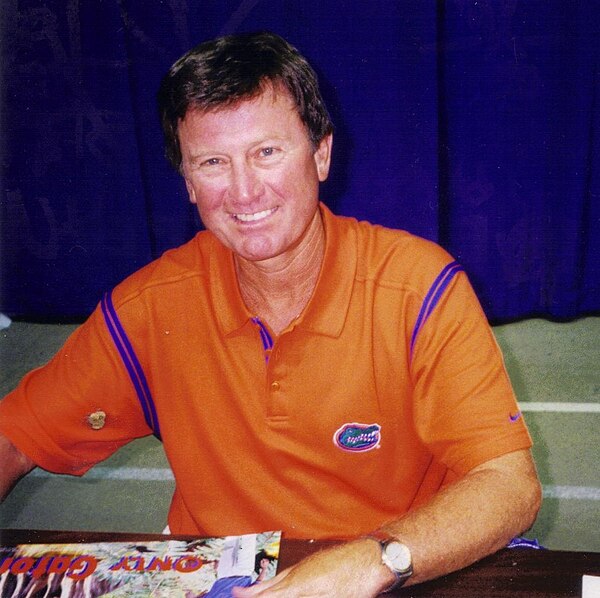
(465, 409)
(79, 408)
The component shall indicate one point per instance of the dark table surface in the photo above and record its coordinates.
(510, 573)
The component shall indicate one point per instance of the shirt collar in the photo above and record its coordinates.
(327, 309)
(228, 305)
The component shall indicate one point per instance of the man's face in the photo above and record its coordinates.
(253, 174)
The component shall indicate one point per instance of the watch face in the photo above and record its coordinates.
(398, 556)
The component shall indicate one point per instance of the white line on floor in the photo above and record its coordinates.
(572, 492)
(561, 407)
(150, 474)
(141, 474)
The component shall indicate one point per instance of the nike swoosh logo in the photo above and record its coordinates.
(516, 417)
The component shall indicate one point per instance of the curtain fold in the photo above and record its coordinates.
(474, 124)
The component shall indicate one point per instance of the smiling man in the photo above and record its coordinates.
(305, 372)
(254, 174)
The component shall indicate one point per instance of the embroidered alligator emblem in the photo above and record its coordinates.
(357, 437)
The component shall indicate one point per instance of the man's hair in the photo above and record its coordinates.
(224, 71)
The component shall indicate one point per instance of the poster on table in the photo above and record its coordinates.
(208, 567)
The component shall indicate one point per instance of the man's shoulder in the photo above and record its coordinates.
(397, 257)
(171, 272)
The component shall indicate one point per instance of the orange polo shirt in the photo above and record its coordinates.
(388, 385)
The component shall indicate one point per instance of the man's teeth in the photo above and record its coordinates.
(255, 216)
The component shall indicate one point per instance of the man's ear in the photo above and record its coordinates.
(323, 156)
(190, 190)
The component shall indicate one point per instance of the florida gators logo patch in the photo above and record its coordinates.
(357, 438)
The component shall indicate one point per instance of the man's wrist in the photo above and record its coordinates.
(395, 556)
(379, 573)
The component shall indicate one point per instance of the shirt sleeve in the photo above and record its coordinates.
(79, 408)
(465, 409)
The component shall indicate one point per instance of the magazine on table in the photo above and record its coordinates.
(208, 567)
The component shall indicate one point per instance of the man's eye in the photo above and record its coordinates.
(211, 162)
(267, 151)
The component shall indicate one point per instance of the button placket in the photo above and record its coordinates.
(277, 405)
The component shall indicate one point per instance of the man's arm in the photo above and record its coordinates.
(466, 521)
(13, 466)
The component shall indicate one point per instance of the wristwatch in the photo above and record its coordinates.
(395, 556)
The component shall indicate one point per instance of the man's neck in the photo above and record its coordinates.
(278, 290)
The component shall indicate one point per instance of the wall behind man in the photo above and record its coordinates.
(472, 123)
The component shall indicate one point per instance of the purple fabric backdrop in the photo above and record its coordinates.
(472, 123)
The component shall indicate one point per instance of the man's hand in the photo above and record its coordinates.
(352, 570)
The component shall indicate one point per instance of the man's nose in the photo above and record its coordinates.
(246, 185)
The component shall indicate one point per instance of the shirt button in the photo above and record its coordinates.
(275, 386)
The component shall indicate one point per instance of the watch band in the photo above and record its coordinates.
(381, 536)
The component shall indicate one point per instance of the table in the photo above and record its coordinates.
(510, 573)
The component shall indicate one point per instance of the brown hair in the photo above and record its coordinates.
(223, 71)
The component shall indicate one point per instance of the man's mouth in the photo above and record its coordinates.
(255, 216)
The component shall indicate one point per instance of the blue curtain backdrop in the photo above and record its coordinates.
(473, 123)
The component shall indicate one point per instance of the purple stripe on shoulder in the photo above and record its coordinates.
(131, 362)
(432, 298)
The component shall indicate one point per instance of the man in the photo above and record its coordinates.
(305, 372)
